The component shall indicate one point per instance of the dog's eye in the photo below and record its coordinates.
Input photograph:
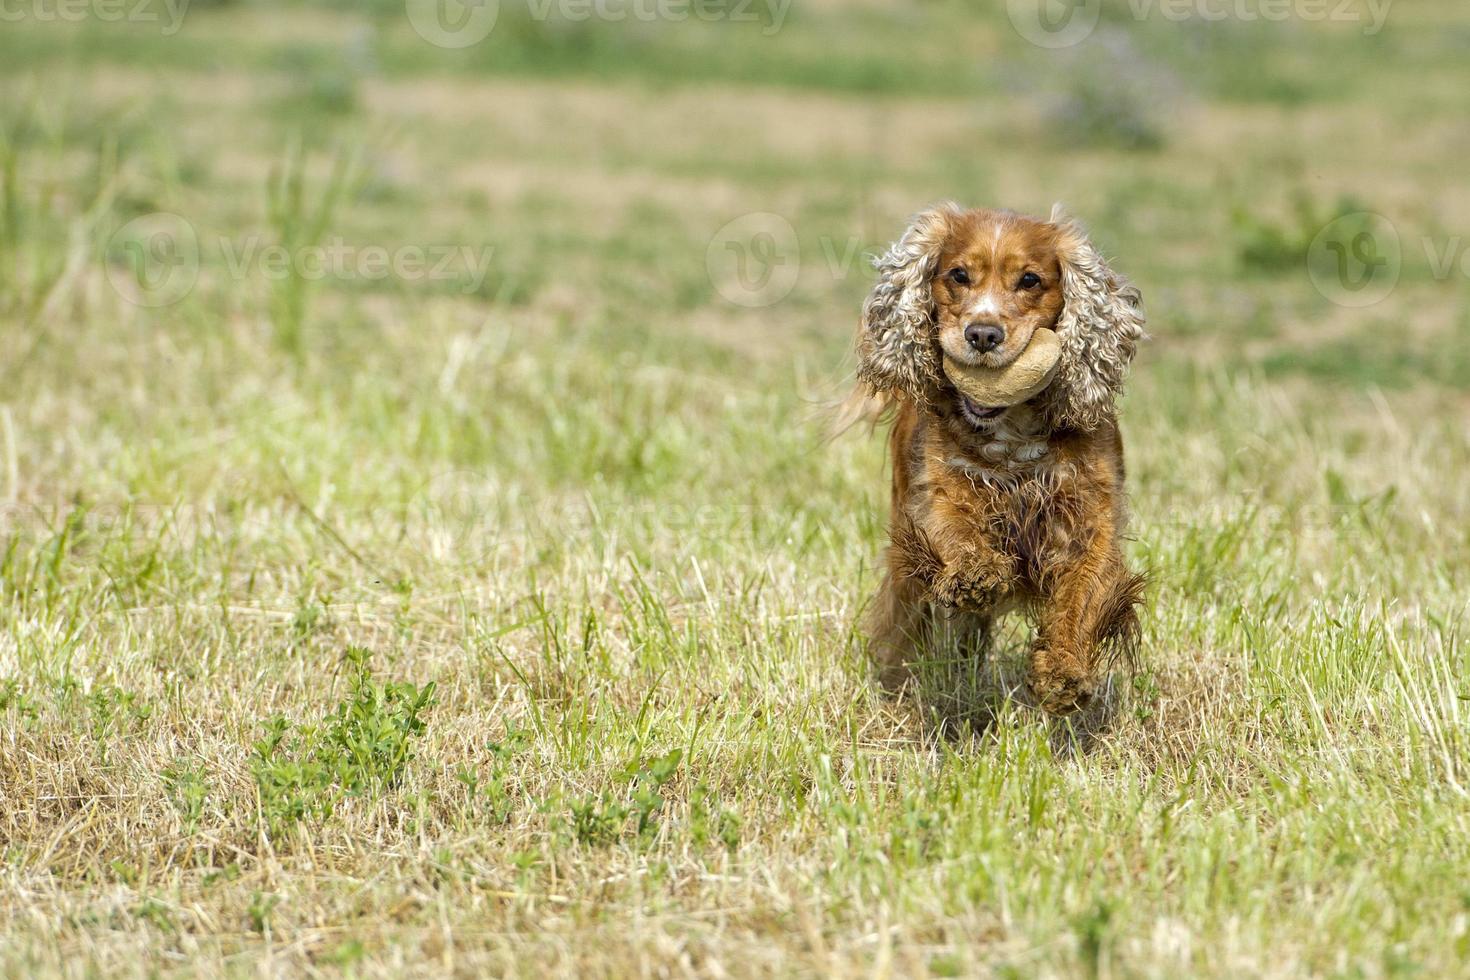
(1028, 281)
(960, 276)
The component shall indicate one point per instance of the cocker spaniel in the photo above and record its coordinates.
(1001, 507)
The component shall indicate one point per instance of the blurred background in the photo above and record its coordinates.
(546, 245)
(321, 187)
(493, 338)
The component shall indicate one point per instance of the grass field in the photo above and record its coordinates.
(498, 614)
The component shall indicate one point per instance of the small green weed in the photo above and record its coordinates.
(646, 782)
(363, 747)
(12, 695)
(711, 822)
(114, 711)
(156, 914)
(188, 790)
(601, 820)
(260, 909)
(495, 791)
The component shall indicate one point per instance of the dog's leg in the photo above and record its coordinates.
(898, 629)
(963, 631)
(969, 570)
(1089, 605)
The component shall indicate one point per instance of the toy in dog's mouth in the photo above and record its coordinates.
(987, 392)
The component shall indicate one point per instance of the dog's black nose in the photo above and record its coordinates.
(984, 337)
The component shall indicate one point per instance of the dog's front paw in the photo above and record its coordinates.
(1060, 683)
(964, 587)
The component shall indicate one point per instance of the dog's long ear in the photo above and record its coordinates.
(897, 351)
(1100, 327)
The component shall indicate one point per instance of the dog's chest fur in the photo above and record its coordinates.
(1013, 449)
(1001, 486)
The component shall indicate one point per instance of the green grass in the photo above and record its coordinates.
(392, 625)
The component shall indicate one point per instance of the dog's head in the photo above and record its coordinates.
(975, 286)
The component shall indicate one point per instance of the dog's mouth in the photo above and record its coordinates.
(979, 415)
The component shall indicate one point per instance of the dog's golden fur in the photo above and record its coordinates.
(995, 509)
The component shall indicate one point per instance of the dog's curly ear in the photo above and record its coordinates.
(1100, 327)
(897, 352)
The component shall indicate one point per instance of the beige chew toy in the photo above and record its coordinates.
(1014, 383)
